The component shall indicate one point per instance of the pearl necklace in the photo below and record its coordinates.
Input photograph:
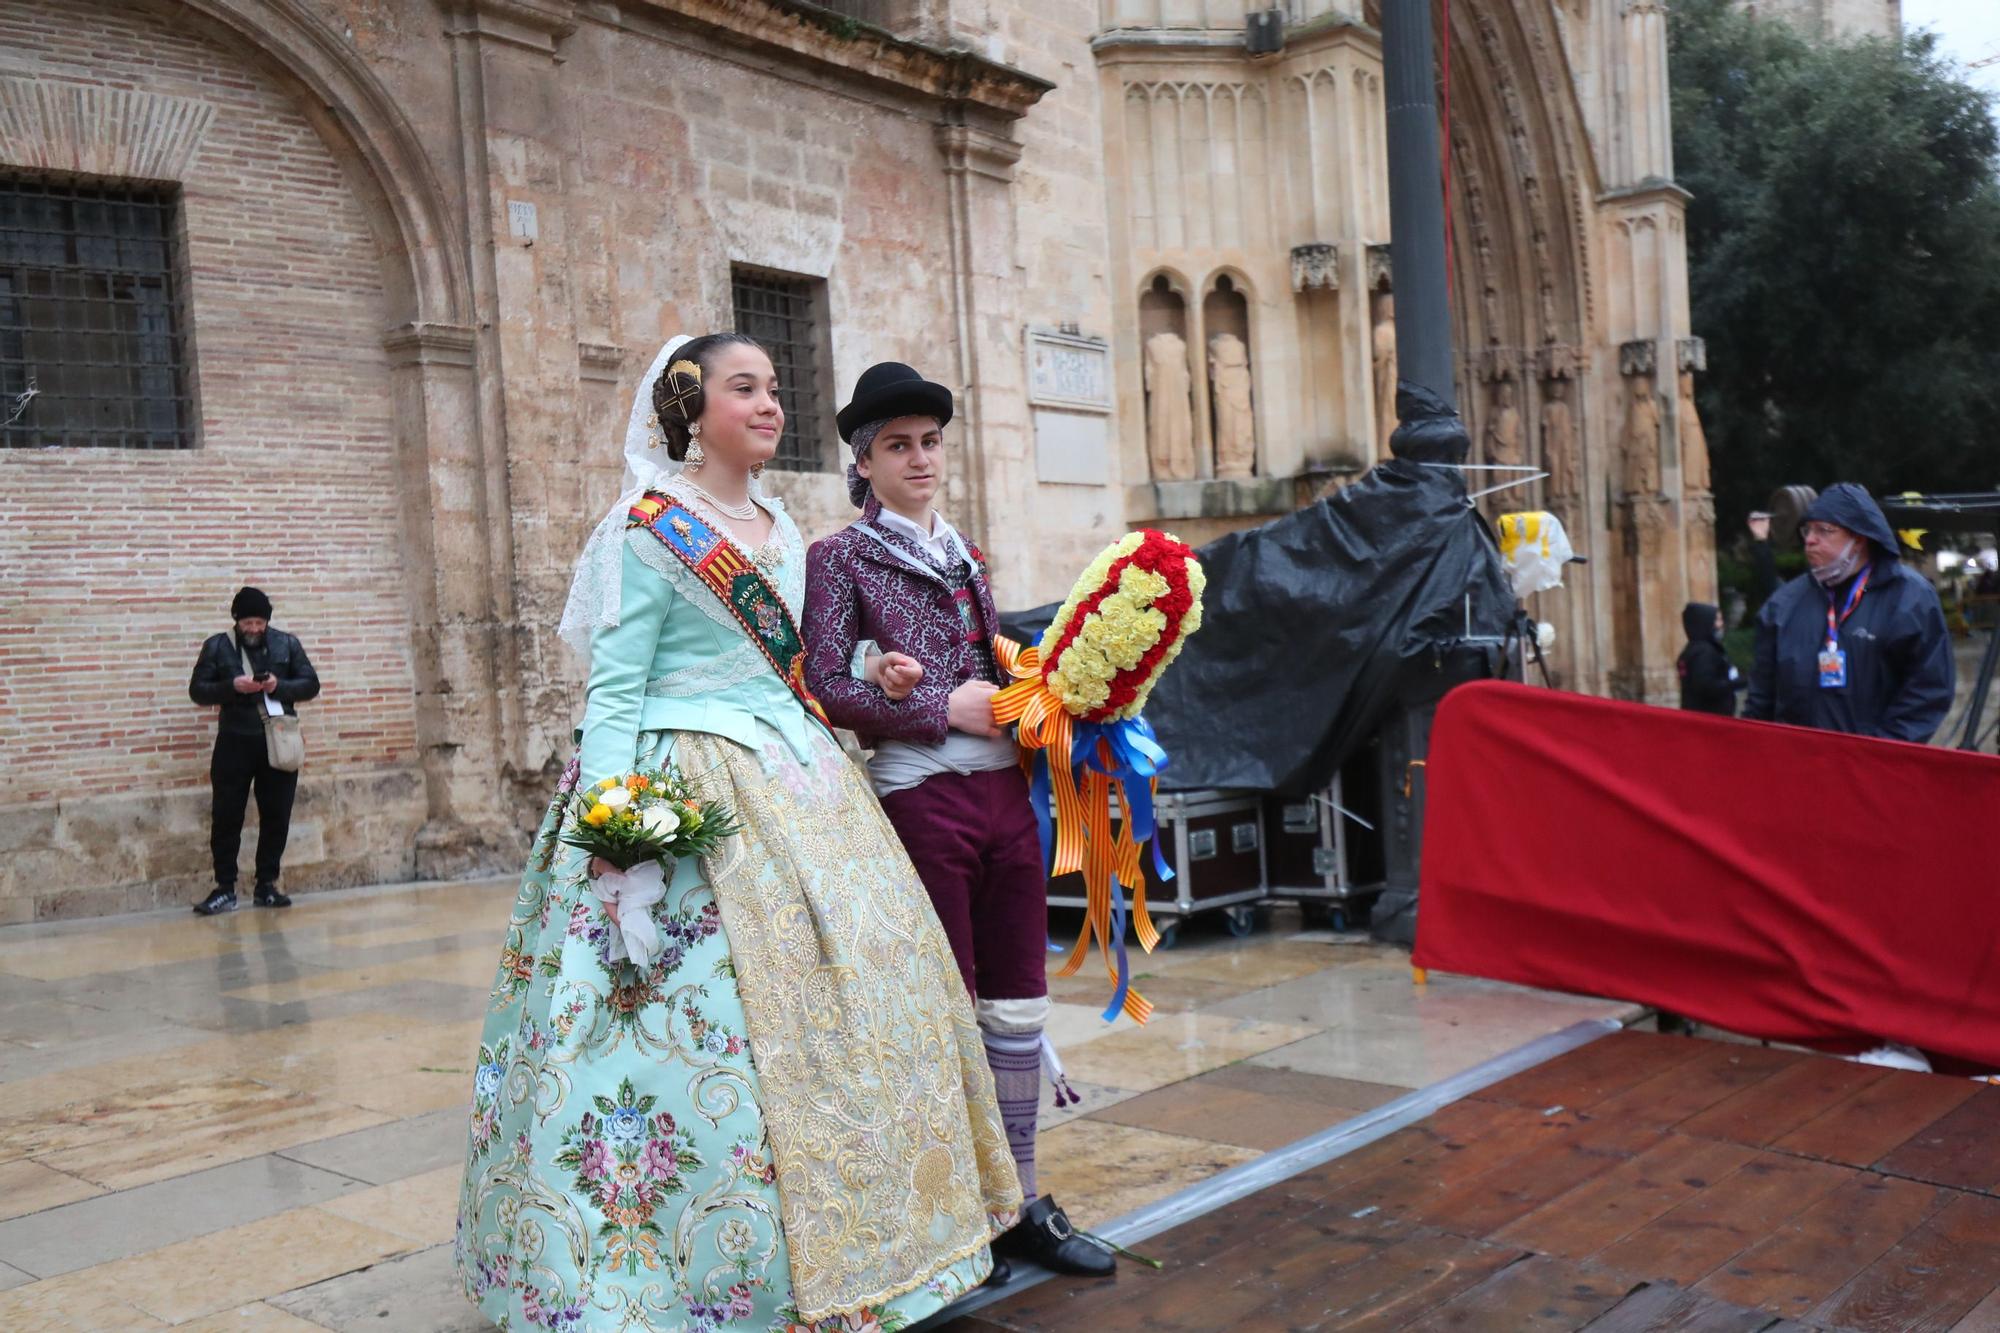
(743, 513)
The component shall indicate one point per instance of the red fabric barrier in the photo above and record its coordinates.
(1783, 883)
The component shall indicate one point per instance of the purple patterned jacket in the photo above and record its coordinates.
(857, 590)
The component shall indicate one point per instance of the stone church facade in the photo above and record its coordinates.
(346, 298)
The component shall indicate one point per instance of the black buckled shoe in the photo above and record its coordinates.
(268, 896)
(1045, 1236)
(1002, 1274)
(222, 900)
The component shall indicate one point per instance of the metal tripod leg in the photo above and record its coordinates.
(1982, 685)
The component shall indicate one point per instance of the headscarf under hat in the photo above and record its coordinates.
(858, 488)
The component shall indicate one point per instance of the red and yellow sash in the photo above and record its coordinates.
(716, 561)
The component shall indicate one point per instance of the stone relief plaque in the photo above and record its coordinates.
(1069, 370)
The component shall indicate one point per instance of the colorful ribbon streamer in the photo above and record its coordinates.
(1075, 771)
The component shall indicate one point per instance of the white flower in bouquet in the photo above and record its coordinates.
(661, 821)
(615, 799)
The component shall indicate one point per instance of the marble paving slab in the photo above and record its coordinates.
(116, 1226)
(393, 1151)
(415, 1292)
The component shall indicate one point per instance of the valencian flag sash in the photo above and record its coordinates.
(749, 597)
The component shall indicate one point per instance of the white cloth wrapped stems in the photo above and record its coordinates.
(629, 897)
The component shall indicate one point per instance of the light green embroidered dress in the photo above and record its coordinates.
(651, 1152)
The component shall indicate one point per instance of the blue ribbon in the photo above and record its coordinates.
(1135, 759)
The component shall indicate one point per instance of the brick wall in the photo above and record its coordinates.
(114, 565)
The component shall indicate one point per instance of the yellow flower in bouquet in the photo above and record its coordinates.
(647, 816)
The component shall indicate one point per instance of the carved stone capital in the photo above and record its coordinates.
(432, 345)
(1641, 356)
(1381, 276)
(599, 361)
(979, 152)
(1316, 265)
(533, 25)
(1502, 363)
(1692, 354)
(1561, 361)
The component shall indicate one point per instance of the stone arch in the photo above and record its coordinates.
(467, 717)
(1229, 310)
(1176, 436)
(424, 263)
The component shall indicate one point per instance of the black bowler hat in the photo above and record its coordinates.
(892, 389)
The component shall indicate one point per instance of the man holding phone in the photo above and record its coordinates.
(248, 672)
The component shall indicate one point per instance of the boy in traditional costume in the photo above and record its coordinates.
(899, 626)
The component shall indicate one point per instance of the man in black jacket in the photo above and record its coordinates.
(239, 672)
(1708, 682)
(1858, 643)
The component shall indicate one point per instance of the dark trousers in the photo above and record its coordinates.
(972, 838)
(239, 764)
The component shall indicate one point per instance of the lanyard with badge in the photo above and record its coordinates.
(1833, 658)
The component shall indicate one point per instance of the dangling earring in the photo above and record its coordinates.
(756, 471)
(695, 457)
(653, 431)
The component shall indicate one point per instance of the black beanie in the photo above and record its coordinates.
(250, 602)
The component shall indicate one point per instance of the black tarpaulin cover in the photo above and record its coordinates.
(1311, 623)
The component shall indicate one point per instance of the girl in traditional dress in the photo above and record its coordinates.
(786, 1121)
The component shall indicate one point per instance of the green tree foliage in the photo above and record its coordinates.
(1844, 253)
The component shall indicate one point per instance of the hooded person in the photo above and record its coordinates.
(1708, 682)
(1858, 643)
(899, 626)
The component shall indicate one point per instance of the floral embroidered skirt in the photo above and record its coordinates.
(621, 1173)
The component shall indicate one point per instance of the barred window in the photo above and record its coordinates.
(788, 315)
(93, 346)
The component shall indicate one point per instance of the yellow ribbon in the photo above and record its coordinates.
(1083, 838)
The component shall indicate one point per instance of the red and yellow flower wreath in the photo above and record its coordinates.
(1077, 697)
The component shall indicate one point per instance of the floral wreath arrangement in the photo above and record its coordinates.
(1077, 696)
(635, 827)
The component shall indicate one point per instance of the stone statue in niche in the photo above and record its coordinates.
(1503, 429)
(1560, 456)
(1169, 408)
(1639, 441)
(1384, 357)
(1694, 441)
(1229, 385)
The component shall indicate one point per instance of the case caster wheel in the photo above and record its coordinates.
(1338, 919)
(1170, 935)
(1242, 921)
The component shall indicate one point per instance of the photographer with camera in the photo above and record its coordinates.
(255, 674)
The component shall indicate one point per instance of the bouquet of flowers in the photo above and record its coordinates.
(635, 827)
(1077, 696)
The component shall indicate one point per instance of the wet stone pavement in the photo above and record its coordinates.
(255, 1122)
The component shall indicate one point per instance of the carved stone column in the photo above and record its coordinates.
(516, 135)
(1649, 579)
(455, 639)
(999, 474)
(1578, 660)
(1697, 486)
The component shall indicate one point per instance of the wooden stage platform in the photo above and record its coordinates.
(1637, 1182)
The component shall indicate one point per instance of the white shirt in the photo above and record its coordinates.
(937, 540)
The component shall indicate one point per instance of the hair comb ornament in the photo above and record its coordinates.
(683, 385)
